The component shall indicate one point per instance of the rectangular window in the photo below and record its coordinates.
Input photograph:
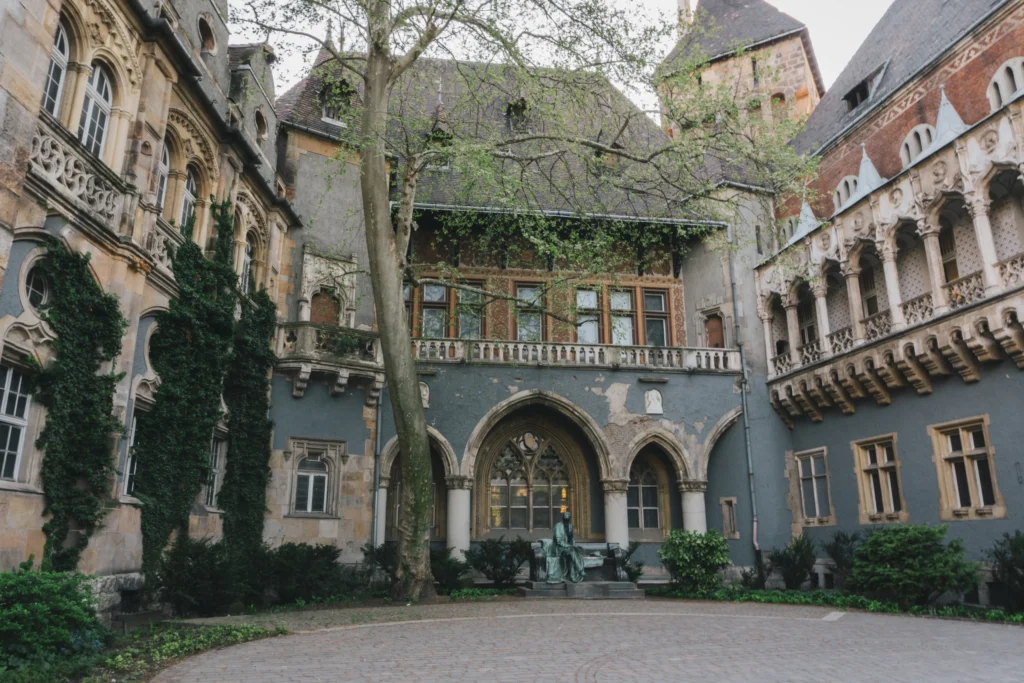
(407, 295)
(623, 318)
(435, 312)
(947, 248)
(808, 321)
(656, 318)
(868, 294)
(311, 485)
(814, 489)
(529, 318)
(131, 465)
(588, 316)
(730, 527)
(14, 408)
(470, 313)
(879, 473)
(966, 470)
(217, 448)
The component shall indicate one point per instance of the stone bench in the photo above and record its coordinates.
(601, 562)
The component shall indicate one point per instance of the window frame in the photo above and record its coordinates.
(884, 471)
(13, 421)
(443, 305)
(532, 308)
(58, 61)
(96, 101)
(163, 174)
(334, 455)
(868, 293)
(218, 454)
(949, 257)
(664, 316)
(131, 463)
(730, 520)
(460, 308)
(807, 320)
(617, 313)
(246, 277)
(950, 508)
(596, 313)
(646, 467)
(828, 519)
(312, 475)
(188, 196)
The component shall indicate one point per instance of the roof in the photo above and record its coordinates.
(905, 41)
(301, 105)
(242, 54)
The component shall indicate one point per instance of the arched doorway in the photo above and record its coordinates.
(652, 496)
(532, 466)
(438, 503)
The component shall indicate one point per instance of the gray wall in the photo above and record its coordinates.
(318, 415)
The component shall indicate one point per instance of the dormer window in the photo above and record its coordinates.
(863, 91)
(438, 140)
(516, 117)
(206, 39)
(918, 140)
(847, 188)
(335, 99)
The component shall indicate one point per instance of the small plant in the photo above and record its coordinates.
(693, 560)
(499, 560)
(1007, 558)
(448, 571)
(841, 550)
(756, 577)
(634, 570)
(911, 565)
(795, 561)
(383, 559)
(481, 593)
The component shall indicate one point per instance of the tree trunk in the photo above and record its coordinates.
(413, 579)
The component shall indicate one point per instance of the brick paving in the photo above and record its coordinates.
(650, 640)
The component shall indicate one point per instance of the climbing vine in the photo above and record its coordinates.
(77, 437)
(190, 351)
(246, 393)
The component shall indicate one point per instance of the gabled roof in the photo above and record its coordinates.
(242, 53)
(738, 24)
(909, 38)
(301, 105)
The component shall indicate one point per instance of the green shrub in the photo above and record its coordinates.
(45, 615)
(448, 571)
(197, 578)
(634, 570)
(693, 560)
(1007, 558)
(756, 577)
(499, 561)
(311, 573)
(795, 561)
(910, 565)
(841, 550)
(383, 558)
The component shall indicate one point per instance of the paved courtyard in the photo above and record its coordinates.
(649, 640)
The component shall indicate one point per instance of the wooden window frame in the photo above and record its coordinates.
(950, 257)
(599, 312)
(949, 503)
(13, 421)
(885, 470)
(866, 294)
(828, 519)
(730, 531)
(808, 323)
(538, 285)
(218, 457)
(454, 316)
(445, 305)
(665, 315)
(614, 313)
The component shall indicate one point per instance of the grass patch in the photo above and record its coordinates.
(139, 655)
(842, 601)
(481, 593)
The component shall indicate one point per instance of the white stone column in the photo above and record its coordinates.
(793, 327)
(459, 513)
(933, 254)
(695, 516)
(616, 522)
(820, 290)
(979, 207)
(892, 286)
(852, 275)
(382, 510)
(769, 344)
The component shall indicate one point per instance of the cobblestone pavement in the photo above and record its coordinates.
(649, 640)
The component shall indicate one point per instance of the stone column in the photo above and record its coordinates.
(820, 290)
(979, 208)
(892, 286)
(793, 327)
(380, 523)
(852, 275)
(930, 235)
(616, 521)
(769, 344)
(459, 513)
(695, 516)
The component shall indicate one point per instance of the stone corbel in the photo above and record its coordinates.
(983, 344)
(890, 372)
(960, 357)
(807, 404)
(1010, 336)
(933, 361)
(789, 402)
(819, 393)
(373, 394)
(302, 380)
(838, 394)
(874, 384)
(850, 382)
(692, 486)
(912, 369)
(340, 382)
(615, 485)
(459, 482)
(781, 411)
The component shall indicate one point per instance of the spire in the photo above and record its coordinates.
(868, 179)
(806, 224)
(948, 125)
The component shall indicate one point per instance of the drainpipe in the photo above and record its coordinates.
(743, 393)
(376, 472)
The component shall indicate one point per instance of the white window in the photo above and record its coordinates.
(14, 406)
(968, 458)
(623, 317)
(248, 254)
(642, 498)
(92, 129)
(814, 490)
(868, 292)
(217, 448)
(58, 68)
(37, 287)
(435, 311)
(131, 465)
(847, 188)
(655, 318)
(1007, 81)
(808, 320)
(918, 140)
(880, 478)
(529, 319)
(588, 317)
(188, 197)
(311, 485)
(162, 172)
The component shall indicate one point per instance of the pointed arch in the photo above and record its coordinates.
(390, 452)
(665, 440)
(720, 428)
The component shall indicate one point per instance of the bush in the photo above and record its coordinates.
(309, 573)
(634, 570)
(910, 565)
(383, 558)
(841, 550)
(756, 577)
(499, 561)
(1007, 558)
(447, 570)
(45, 615)
(197, 577)
(693, 560)
(795, 561)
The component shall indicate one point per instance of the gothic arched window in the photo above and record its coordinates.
(246, 280)
(529, 485)
(99, 97)
(642, 498)
(58, 67)
(188, 197)
(162, 172)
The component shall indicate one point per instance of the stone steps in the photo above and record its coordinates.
(588, 590)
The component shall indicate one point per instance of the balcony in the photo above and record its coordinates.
(340, 352)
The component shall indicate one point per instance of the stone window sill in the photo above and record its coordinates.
(819, 521)
(130, 500)
(20, 487)
(308, 515)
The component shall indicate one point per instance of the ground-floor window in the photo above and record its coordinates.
(812, 478)
(878, 470)
(965, 463)
(529, 485)
(15, 401)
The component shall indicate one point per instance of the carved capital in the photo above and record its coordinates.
(849, 269)
(979, 206)
(693, 486)
(459, 482)
(820, 288)
(385, 482)
(615, 485)
(925, 228)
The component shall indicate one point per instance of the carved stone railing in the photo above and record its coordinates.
(967, 290)
(918, 310)
(782, 363)
(810, 353)
(1012, 271)
(878, 325)
(574, 355)
(162, 240)
(59, 159)
(326, 343)
(841, 341)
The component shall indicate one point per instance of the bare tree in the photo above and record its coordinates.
(512, 100)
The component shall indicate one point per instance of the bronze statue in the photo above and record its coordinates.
(564, 559)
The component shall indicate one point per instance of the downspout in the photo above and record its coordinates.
(376, 474)
(744, 387)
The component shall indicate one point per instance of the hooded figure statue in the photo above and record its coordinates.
(564, 559)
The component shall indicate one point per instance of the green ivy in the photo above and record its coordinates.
(79, 464)
(190, 351)
(247, 395)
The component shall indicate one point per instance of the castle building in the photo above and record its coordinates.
(858, 367)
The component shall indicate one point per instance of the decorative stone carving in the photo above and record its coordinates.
(966, 291)
(653, 402)
(918, 310)
(105, 29)
(878, 325)
(253, 217)
(302, 380)
(195, 142)
(58, 163)
(334, 274)
(841, 341)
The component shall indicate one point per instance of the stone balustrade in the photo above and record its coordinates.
(782, 363)
(84, 181)
(965, 291)
(575, 355)
(810, 353)
(878, 325)
(1012, 271)
(161, 241)
(841, 340)
(918, 310)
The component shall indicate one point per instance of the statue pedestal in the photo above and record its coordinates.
(587, 590)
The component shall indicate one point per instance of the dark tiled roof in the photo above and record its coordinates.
(301, 105)
(241, 54)
(911, 35)
(735, 24)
